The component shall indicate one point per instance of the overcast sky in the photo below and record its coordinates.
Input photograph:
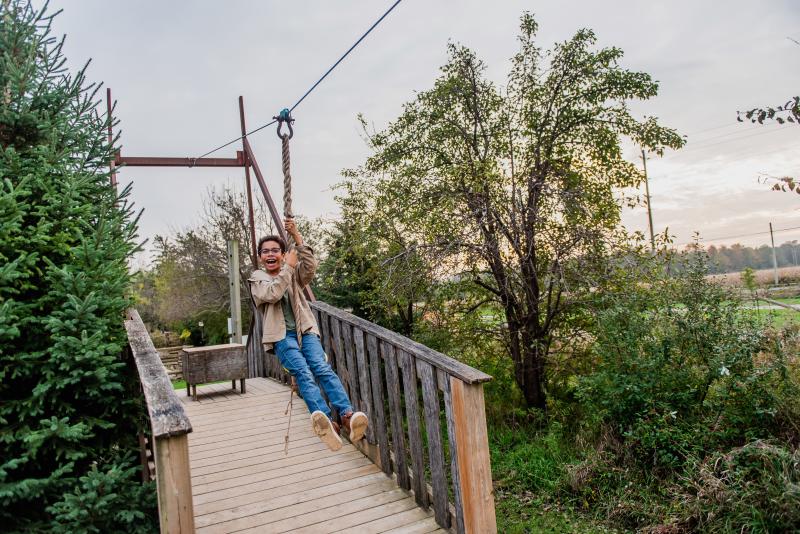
(176, 70)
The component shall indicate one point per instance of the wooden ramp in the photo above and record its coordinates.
(242, 481)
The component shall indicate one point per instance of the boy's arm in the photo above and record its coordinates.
(267, 290)
(306, 266)
(307, 263)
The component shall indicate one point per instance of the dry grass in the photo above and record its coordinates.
(764, 277)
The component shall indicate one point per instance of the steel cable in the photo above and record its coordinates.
(374, 25)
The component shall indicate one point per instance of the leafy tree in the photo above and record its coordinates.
(785, 183)
(787, 112)
(372, 266)
(724, 259)
(69, 405)
(515, 188)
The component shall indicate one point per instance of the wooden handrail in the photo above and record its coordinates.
(451, 366)
(387, 375)
(169, 425)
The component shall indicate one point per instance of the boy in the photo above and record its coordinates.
(290, 327)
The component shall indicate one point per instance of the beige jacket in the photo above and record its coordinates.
(268, 290)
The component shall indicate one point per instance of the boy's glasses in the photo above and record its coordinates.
(270, 250)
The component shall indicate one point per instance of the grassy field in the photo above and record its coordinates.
(780, 317)
(181, 384)
(528, 469)
(764, 277)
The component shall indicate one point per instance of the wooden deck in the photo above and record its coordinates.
(242, 481)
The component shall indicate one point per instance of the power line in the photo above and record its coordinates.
(705, 146)
(741, 157)
(687, 172)
(739, 132)
(313, 86)
(740, 235)
(728, 125)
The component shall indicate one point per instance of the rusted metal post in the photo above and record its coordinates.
(254, 253)
(273, 209)
(112, 163)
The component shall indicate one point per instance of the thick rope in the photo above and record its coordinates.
(287, 178)
(287, 212)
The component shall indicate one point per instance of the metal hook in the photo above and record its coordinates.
(284, 116)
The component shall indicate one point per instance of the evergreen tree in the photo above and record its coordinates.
(68, 408)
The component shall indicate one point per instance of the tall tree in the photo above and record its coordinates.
(69, 405)
(372, 265)
(516, 188)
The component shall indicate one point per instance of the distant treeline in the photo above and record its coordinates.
(737, 257)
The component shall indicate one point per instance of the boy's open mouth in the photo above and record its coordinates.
(270, 261)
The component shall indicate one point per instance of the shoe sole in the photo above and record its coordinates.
(358, 426)
(324, 430)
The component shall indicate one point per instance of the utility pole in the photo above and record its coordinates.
(647, 193)
(235, 327)
(774, 256)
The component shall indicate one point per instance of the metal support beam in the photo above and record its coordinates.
(254, 252)
(273, 209)
(238, 161)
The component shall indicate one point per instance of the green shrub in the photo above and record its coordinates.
(68, 419)
(680, 367)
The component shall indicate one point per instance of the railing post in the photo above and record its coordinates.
(235, 291)
(169, 426)
(474, 467)
(173, 478)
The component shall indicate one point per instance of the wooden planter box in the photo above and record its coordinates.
(212, 364)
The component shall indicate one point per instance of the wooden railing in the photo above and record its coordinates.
(169, 425)
(428, 423)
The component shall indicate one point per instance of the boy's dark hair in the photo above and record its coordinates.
(275, 238)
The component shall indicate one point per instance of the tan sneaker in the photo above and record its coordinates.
(324, 429)
(356, 424)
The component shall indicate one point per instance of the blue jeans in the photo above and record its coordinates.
(309, 363)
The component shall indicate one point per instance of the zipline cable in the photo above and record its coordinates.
(374, 25)
(345, 55)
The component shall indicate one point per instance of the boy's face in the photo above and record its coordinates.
(271, 256)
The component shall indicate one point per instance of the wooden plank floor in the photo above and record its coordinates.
(243, 482)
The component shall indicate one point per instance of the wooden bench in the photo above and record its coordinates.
(212, 364)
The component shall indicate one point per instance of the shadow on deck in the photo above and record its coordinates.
(243, 481)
